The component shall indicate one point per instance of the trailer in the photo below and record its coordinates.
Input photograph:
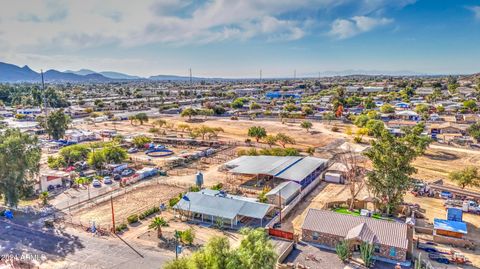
(452, 258)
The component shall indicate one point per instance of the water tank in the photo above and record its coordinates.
(199, 179)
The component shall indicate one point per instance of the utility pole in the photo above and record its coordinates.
(113, 215)
(280, 204)
(44, 100)
(261, 80)
(294, 75)
(191, 88)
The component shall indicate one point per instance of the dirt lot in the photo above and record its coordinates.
(319, 135)
(439, 161)
(135, 201)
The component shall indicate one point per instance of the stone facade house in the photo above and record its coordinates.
(391, 240)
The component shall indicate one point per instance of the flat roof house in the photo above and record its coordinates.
(392, 240)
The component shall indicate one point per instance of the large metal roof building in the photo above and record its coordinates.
(302, 170)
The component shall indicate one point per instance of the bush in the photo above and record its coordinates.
(132, 219)
(173, 201)
(187, 236)
(357, 139)
(334, 129)
(121, 227)
(56, 162)
(194, 189)
(217, 187)
(343, 251)
(149, 212)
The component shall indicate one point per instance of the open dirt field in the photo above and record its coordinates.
(438, 162)
(133, 202)
(319, 135)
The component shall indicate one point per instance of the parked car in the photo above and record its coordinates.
(132, 150)
(117, 177)
(127, 172)
(107, 180)
(96, 183)
(51, 187)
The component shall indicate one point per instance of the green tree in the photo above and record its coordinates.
(141, 140)
(471, 105)
(56, 124)
(255, 251)
(189, 112)
(254, 106)
(284, 139)
(421, 108)
(141, 117)
(361, 120)
(270, 140)
(387, 109)
(467, 177)
(19, 162)
(307, 125)
(96, 158)
(215, 254)
(181, 263)
(391, 159)
(114, 153)
(474, 131)
(257, 132)
(374, 127)
(157, 224)
(74, 153)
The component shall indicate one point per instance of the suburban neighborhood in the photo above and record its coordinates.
(182, 134)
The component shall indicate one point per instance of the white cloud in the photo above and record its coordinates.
(476, 11)
(346, 28)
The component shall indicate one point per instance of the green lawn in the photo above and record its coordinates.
(357, 213)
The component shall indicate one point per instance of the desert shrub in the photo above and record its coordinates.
(187, 236)
(334, 129)
(217, 187)
(132, 218)
(149, 212)
(121, 227)
(173, 201)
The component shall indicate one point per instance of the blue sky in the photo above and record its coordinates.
(238, 38)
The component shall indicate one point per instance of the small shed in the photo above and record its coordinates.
(449, 228)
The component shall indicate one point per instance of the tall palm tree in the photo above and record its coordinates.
(158, 223)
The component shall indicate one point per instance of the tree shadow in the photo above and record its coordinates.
(442, 156)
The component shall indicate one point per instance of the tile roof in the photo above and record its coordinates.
(385, 232)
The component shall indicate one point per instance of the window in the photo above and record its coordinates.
(377, 249)
(315, 236)
(393, 252)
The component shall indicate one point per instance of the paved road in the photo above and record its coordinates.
(70, 248)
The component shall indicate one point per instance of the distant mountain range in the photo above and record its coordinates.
(12, 73)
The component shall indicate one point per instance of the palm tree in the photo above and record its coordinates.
(158, 223)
